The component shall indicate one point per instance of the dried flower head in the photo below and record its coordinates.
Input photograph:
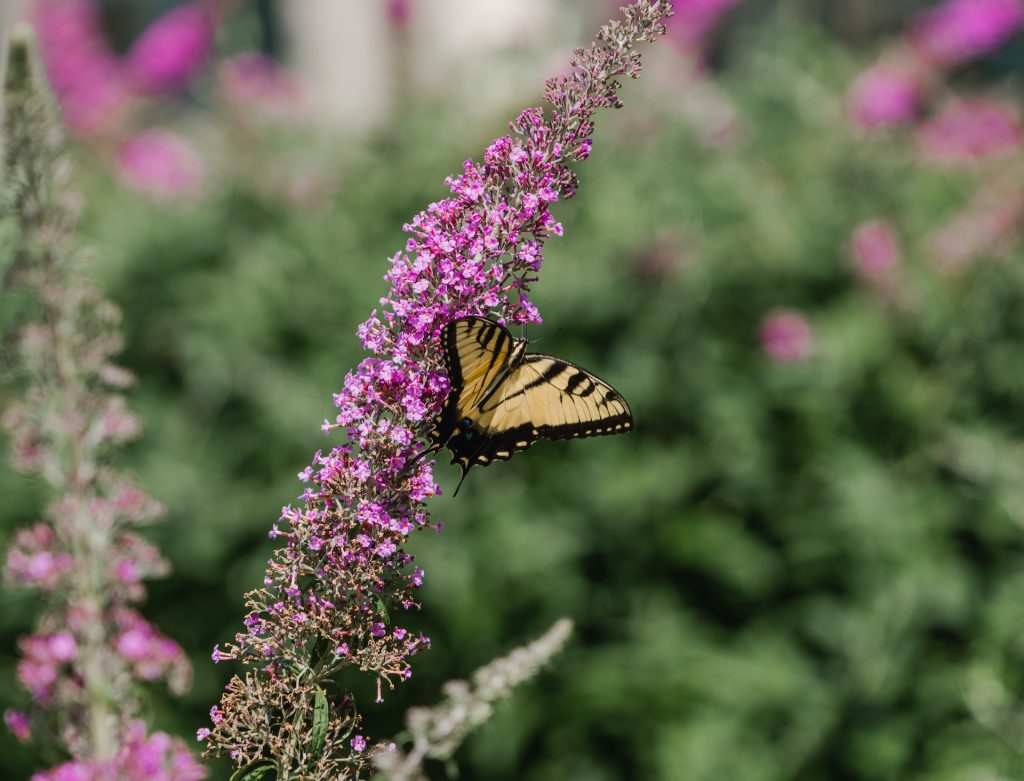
(436, 733)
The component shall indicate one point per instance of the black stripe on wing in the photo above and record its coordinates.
(601, 410)
(469, 343)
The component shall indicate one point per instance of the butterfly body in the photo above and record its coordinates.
(503, 399)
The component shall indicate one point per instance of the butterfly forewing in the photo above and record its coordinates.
(477, 353)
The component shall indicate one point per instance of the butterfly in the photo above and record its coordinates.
(503, 399)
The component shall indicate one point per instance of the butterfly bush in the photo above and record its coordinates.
(82, 665)
(337, 588)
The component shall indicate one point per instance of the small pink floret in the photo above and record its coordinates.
(63, 646)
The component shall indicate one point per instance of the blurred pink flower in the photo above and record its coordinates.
(18, 723)
(32, 561)
(694, 21)
(981, 227)
(786, 336)
(161, 163)
(884, 95)
(157, 757)
(960, 30)
(398, 12)
(151, 654)
(969, 130)
(172, 50)
(84, 72)
(875, 248)
(256, 81)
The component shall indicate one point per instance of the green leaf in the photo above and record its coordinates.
(256, 771)
(321, 716)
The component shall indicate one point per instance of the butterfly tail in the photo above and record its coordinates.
(465, 471)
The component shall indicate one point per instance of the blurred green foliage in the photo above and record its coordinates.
(811, 570)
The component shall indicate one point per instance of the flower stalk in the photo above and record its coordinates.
(340, 584)
(91, 648)
(436, 733)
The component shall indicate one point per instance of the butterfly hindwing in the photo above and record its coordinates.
(552, 398)
(566, 401)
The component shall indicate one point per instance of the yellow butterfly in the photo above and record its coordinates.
(503, 399)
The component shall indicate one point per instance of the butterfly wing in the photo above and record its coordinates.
(476, 354)
(546, 397)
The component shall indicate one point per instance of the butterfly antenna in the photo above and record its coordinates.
(540, 339)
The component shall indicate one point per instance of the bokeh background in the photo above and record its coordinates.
(796, 251)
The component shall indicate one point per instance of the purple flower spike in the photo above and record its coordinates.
(82, 666)
(342, 576)
(957, 31)
(171, 51)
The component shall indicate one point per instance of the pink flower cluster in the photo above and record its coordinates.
(786, 336)
(334, 591)
(172, 51)
(952, 33)
(969, 130)
(42, 657)
(957, 31)
(161, 163)
(255, 82)
(156, 757)
(875, 248)
(92, 83)
(149, 654)
(985, 226)
(885, 95)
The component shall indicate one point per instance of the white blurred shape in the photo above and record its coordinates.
(480, 53)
